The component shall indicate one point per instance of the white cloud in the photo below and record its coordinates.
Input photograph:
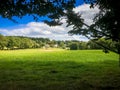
(87, 12)
(39, 29)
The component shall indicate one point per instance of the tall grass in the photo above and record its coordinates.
(36, 69)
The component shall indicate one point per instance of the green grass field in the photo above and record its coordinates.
(55, 69)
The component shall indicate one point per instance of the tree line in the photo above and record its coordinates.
(20, 42)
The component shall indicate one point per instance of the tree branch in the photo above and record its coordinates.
(96, 30)
(102, 45)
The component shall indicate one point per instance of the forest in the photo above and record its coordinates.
(22, 42)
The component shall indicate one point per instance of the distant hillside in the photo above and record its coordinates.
(21, 42)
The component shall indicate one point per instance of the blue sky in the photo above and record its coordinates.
(28, 27)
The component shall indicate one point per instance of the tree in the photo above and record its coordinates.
(74, 46)
(61, 44)
(93, 45)
(3, 42)
(107, 22)
(11, 43)
(83, 45)
(36, 8)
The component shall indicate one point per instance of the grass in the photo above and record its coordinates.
(55, 69)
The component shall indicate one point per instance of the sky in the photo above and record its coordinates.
(28, 27)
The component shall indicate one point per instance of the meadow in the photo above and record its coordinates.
(56, 69)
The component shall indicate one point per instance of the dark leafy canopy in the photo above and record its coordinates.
(51, 8)
(108, 20)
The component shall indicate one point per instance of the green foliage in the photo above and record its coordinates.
(36, 69)
(106, 44)
(83, 45)
(93, 45)
(61, 44)
(16, 42)
(37, 8)
(3, 42)
(107, 21)
(74, 46)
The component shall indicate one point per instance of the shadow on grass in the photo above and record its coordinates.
(59, 75)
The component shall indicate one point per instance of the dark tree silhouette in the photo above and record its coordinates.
(107, 21)
(37, 8)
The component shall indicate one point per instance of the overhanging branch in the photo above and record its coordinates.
(96, 30)
(102, 45)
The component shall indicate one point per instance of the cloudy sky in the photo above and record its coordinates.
(40, 29)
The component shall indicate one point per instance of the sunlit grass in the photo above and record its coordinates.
(57, 69)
